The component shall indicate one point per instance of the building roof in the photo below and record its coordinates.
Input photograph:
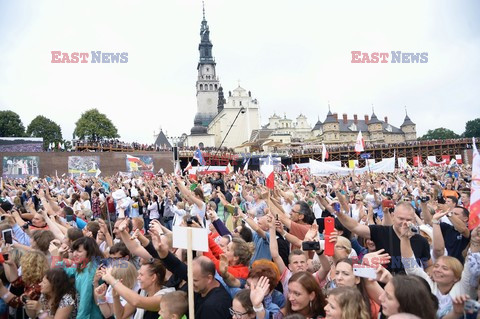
(374, 119)
(407, 121)
(318, 126)
(330, 118)
(350, 126)
(162, 140)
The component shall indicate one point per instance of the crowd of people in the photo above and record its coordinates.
(375, 245)
(317, 148)
(117, 145)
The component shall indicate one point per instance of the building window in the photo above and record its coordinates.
(240, 103)
(215, 87)
(211, 87)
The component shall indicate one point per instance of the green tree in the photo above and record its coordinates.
(46, 128)
(472, 128)
(11, 125)
(95, 126)
(440, 133)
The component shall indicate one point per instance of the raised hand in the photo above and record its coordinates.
(376, 258)
(223, 267)
(312, 233)
(259, 291)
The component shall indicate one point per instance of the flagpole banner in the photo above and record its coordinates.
(139, 164)
(432, 158)
(352, 163)
(317, 168)
(370, 161)
(87, 165)
(275, 161)
(267, 167)
(417, 160)
(402, 162)
(20, 166)
(336, 163)
(474, 220)
(458, 158)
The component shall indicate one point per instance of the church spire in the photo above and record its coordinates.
(205, 46)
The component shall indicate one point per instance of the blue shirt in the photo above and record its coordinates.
(262, 247)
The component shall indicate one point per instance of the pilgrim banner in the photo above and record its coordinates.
(318, 168)
(83, 165)
(20, 166)
(139, 164)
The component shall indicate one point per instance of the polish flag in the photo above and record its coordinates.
(458, 158)
(229, 168)
(474, 219)
(189, 167)
(360, 144)
(178, 170)
(324, 153)
(269, 172)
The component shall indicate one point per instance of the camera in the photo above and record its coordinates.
(414, 229)
(310, 245)
(189, 221)
(424, 199)
(471, 306)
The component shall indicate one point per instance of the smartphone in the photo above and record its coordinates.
(364, 272)
(7, 236)
(386, 203)
(336, 207)
(329, 226)
(2, 217)
(5, 256)
(24, 299)
(310, 245)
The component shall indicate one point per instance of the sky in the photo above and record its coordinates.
(294, 56)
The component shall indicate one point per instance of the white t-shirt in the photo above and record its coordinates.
(140, 312)
(109, 296)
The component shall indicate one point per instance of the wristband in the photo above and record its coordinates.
(259, 309)
(436, 222)
(319, 253)
(5, 296)
(116, 282)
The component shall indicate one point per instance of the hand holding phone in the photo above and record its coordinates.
(329, 226)
(7, 236)
(364, 272)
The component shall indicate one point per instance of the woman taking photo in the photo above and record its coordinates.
(346, 303)
(304, 297)
(57, 299)
(449, 277)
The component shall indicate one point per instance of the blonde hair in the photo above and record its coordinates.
(125, 271)
(345, 243)
(454, 264)
(34, 266)
(176, 303)
(84, 196)
(351, 302)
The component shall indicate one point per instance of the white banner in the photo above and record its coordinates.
(318, 168)
(402, 162)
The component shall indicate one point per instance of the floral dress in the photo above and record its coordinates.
(67, 300)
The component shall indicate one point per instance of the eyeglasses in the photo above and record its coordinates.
(294, 211)
(237, 314)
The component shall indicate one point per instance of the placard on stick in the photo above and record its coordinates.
(199, 238)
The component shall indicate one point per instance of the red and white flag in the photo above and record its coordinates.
(269, 172)
(474, 219)
(229, 169)
(189, 167)
(324, 153)
(178, 170)
(360, 144)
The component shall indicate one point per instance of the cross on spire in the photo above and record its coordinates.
(203, 5)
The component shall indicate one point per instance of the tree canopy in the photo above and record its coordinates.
(46, 128)
(11, 125)
(95, 126)
(440, 133)
(472, 128)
